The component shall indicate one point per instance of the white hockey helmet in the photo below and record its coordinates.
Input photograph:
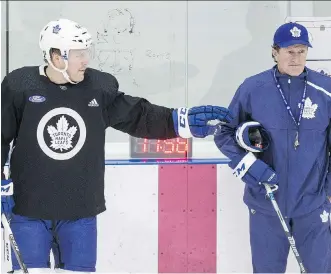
(63, 34)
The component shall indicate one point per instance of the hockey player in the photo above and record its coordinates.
(293, 104)
(56, 116)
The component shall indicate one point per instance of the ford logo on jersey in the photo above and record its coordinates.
(37, 99)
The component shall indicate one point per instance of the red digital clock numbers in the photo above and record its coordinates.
(164, 146)
(171, 148)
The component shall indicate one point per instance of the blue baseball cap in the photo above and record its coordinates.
(291, 34)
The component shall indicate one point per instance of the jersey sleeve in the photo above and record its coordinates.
(225, 140)
(10, 119)
(137, 116)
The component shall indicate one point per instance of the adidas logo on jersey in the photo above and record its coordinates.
(93, 103)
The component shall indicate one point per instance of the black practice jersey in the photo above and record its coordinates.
(58, 133)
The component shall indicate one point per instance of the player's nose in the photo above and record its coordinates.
(84, 63)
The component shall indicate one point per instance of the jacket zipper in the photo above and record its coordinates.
(288, 168)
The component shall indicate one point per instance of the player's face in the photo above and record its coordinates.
(77, 63)
(291, 60)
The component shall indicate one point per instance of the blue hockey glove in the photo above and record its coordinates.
(7, 201)
(253, 171)
(196, 121)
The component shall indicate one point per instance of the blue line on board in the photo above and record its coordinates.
(201, 161)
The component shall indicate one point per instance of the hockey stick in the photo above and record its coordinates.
(6, 246)
(286, 230)
(13, 243)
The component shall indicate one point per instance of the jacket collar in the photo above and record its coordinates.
(303, 75)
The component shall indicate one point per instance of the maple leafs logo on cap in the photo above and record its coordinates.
(295, 32)
(309, 109)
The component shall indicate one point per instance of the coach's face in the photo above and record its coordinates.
(291, 60)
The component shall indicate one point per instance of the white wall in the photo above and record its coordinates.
(177, 53)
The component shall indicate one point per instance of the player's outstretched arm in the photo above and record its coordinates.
(140, 118)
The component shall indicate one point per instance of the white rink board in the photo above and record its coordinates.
(128, 241)
(128, 230)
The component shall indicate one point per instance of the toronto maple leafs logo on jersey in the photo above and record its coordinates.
(309, 109)
(324, 216)
(61, 133)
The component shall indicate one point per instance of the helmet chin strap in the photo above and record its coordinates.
(63, 71)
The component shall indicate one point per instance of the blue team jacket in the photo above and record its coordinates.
(305, 173)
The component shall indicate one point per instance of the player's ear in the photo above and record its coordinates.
(55, 55)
